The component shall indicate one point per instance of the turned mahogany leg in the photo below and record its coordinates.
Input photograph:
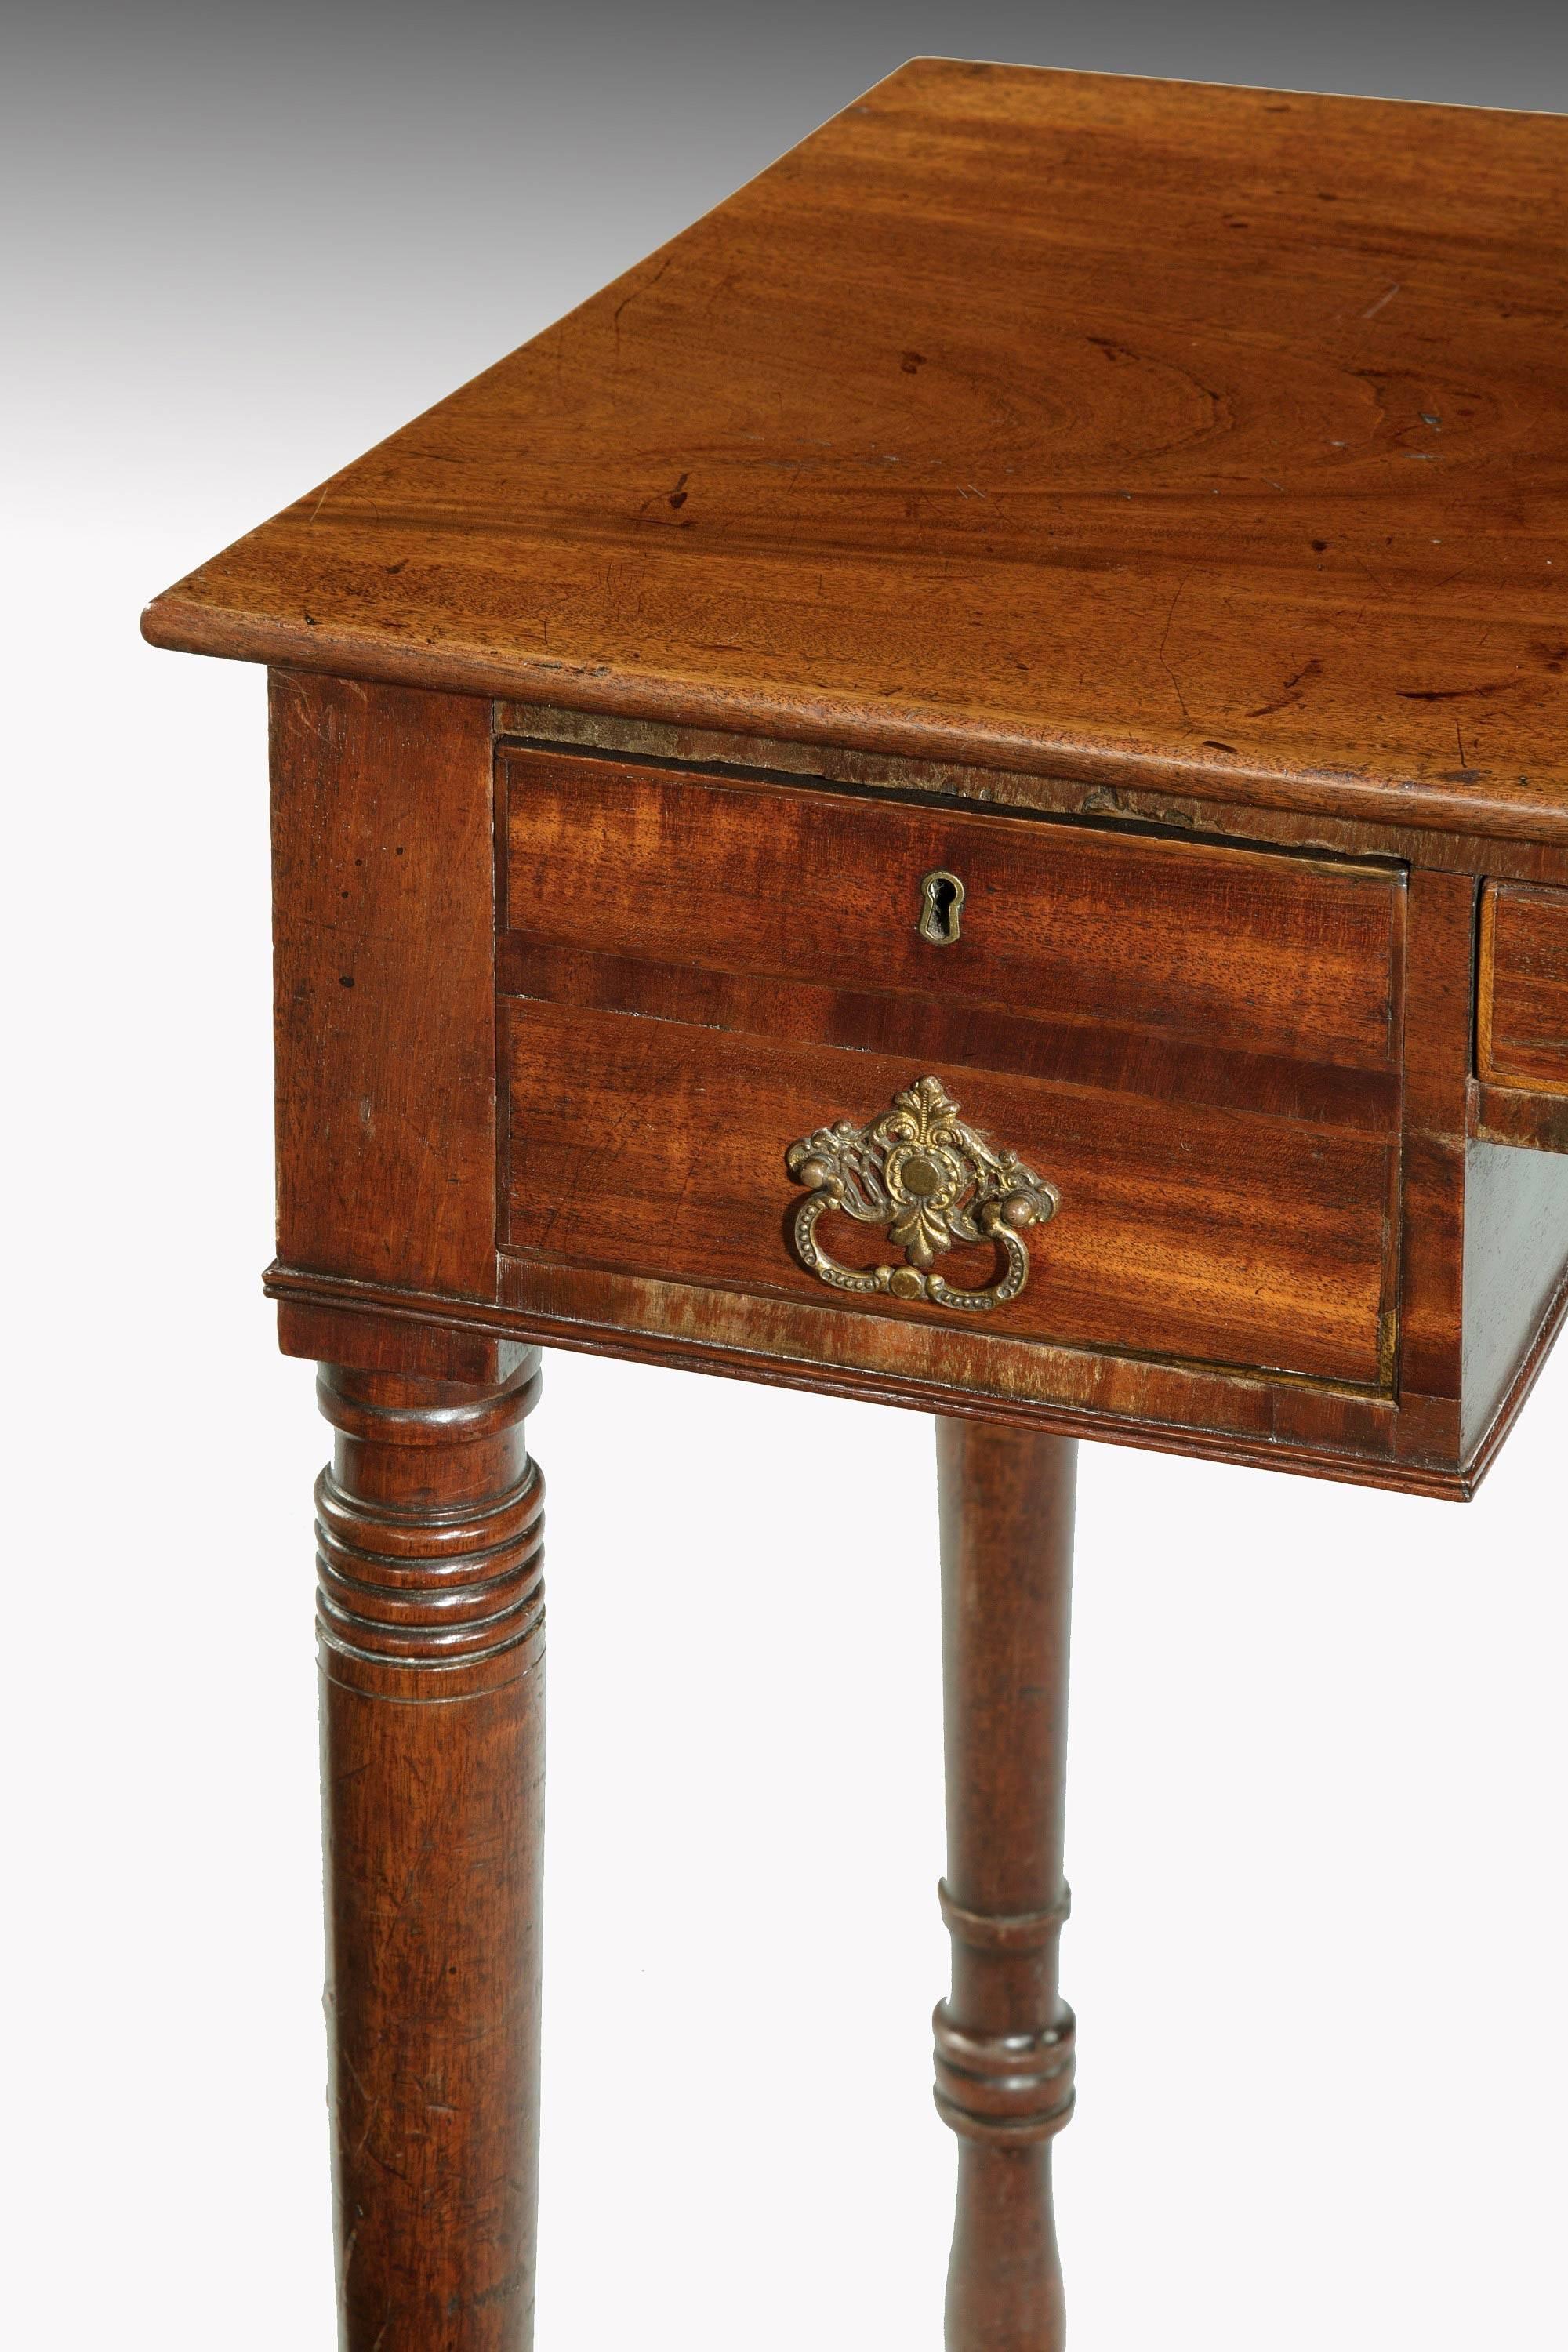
(432, 1631)
(1005, 2039)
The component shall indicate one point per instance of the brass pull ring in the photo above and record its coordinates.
(932, 1181)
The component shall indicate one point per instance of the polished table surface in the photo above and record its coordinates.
(953, 793)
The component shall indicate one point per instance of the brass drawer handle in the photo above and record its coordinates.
(931, 1180)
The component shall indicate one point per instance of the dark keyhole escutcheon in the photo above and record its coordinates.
(941, 899)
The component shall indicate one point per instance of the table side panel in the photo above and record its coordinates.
(384, 982)
(1252, 1180)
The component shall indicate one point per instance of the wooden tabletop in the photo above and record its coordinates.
(1141, 430)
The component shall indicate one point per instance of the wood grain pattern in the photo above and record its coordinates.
(383, 981)
(653, 1147)
(1154, 434)
(324, 1331)
(1111, 1056)
(432, 1634)
(1522, 997)
(1004, 2037)
(1273, 954)
(1533, 1122)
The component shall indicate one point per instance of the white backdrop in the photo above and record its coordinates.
(1317, 1738)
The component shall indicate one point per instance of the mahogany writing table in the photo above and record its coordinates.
(953, 793)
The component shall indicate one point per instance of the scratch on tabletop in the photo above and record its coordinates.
(1170, 673)
(1290, 691)
(627, 300)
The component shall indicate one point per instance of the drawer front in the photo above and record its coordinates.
(1274, 955)
(1522, 1016)
(654, 1146)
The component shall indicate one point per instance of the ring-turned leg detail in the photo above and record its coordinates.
(1005, 2088)
(1004, 2037)
(432, 1632)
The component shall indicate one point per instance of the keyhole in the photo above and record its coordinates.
(941, 896)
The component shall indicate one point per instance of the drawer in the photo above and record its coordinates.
(1286, 957)
(1184, 1230)
(1191, 1050)
(1521, 1028)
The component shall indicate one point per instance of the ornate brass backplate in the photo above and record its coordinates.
(932, 1182)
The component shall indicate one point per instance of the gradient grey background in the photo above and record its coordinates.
(1318, 1744)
